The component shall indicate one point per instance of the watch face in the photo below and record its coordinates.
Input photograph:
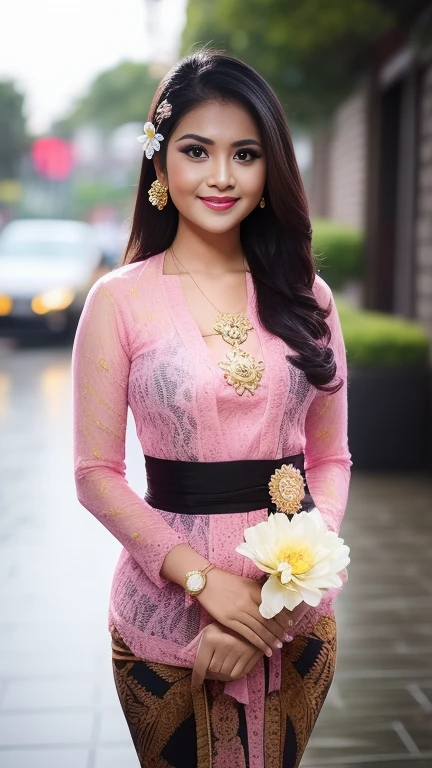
(195, 582)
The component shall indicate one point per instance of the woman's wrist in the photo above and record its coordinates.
(179, 561)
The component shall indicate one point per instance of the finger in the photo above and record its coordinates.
(217, 676)
(243, 666)
(249, 634)
(272, 625)
(286, 615)
(267, 629)
(252, 663)
(202, 660)
(282, 620)
(231, 660)
(275, 625)
(216, 663)
(244, 628)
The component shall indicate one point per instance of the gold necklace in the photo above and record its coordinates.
(241, 369)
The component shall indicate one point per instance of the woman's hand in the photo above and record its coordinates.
(223, 655)
(233, 601)
(294, 617)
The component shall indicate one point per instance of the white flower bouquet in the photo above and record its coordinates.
(301, 556)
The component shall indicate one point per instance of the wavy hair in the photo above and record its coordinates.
(276, 240)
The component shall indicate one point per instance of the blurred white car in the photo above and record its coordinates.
(46, 270)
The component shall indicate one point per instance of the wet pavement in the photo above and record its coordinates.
(58, 705)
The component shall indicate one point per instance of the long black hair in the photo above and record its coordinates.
(276, 240)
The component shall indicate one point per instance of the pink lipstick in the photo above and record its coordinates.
(219, 203)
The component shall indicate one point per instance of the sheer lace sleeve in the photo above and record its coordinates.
(327, 457)
(100, 365)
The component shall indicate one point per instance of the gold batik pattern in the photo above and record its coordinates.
(294, 710)
(307, 669)
(227, 748)
(151, 719)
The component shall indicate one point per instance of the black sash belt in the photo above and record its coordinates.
(216, 487)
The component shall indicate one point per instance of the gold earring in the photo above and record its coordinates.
(158, 195)
(262, 202)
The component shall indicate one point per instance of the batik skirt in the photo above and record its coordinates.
(173, 726)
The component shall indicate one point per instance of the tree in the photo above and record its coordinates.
(120, 95)
(13, 139)
(308, 51)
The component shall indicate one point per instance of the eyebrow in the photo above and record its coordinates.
(210, 142)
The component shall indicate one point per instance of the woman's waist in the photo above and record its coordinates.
(227, 487)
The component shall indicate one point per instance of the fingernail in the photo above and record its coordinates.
(269, 652)
(279, 644)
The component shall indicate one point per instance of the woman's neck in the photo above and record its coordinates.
(207, 252)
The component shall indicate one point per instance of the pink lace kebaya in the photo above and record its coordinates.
(138, 345)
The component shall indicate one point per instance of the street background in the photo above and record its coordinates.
(76, 81)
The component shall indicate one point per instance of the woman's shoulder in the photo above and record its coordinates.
(127, 274)
(125, 280)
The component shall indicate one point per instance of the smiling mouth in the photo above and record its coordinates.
(219, 203)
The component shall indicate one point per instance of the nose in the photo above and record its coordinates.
(221, 175)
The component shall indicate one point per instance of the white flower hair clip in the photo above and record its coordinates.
(150, 139)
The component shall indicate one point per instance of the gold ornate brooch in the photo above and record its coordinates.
(241, 369)
(287, 489)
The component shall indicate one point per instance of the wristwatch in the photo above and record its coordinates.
(195, 581)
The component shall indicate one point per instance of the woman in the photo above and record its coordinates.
(228, 349)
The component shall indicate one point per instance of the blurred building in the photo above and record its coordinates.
(372, 165)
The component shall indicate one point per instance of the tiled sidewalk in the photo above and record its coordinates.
(379, 710)
(58, 706)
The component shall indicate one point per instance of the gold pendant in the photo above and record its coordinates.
(233, 328)
(287, 489)
(242, 371)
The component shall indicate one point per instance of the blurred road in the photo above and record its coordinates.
(58, 706)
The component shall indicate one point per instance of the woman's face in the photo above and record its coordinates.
(215, 166)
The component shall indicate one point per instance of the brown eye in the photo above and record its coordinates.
(195, 151)
(246, 155)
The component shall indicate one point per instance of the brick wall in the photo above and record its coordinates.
(339, 165)
(423, 229)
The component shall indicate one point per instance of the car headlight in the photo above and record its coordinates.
(6, 304)
(55, 299)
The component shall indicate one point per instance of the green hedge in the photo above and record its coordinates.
(338, 252)
(378, 339)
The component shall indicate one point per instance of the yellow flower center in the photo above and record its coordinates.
(300, 558)
(150, 133)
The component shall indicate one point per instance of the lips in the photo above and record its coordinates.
(219, 203)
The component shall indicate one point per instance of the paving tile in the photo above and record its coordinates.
(361, 739)
(364, 703)
(48, 694)
(24, 636)
(113, 757)
(44, 758)
(48, 663)
(419, 729)
(45, 729)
